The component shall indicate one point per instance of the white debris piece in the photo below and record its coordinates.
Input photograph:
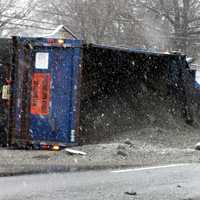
(75, 152)
(197, 146)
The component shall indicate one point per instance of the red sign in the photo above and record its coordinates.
(40, 95)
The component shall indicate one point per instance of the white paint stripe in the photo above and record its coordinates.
(149, 168)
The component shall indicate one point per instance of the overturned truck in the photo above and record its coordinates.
(66, 92)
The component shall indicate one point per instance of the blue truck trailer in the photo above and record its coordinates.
(45, 89)
(57, 85)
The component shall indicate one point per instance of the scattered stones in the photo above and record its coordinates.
(197, 146)
(128, 142)
(122, 153)
(131, 193)
(178, 186)
(121, 150)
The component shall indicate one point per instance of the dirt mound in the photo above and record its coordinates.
(108, 119)
(129, 92)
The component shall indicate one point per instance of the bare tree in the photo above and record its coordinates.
(182, 17)
(163, 24)
(90, 19)
(97, 21)
(11, 15)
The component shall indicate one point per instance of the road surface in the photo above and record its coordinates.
(181, 182)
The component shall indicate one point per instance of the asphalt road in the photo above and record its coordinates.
(156, 183)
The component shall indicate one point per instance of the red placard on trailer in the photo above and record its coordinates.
(40, 96)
